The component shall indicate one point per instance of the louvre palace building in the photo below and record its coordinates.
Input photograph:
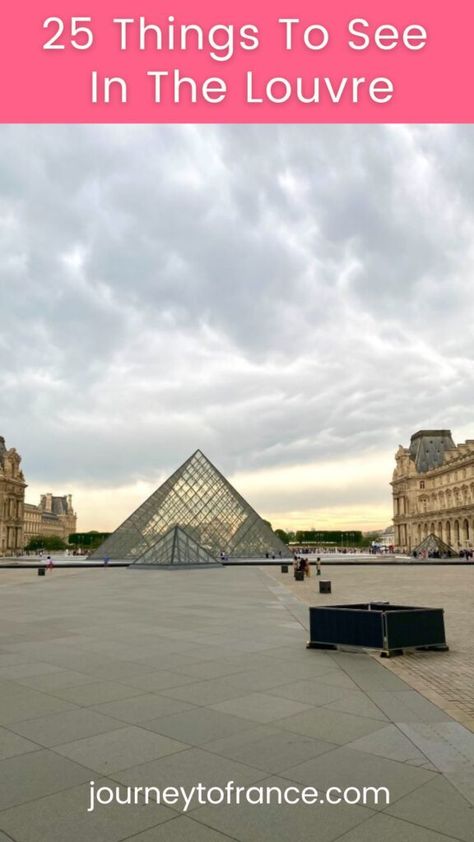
(433, 491)
(20, 521)
(12, 494)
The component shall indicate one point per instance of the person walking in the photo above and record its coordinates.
(318, 566)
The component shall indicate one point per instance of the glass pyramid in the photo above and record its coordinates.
(432, 544)
(198, 499)
(176, 547)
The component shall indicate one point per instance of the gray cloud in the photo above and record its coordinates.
(270, 294)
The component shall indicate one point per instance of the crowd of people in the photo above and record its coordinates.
(376, 549)
(302, 566)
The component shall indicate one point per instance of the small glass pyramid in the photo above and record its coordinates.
(199, 500)
(175, 548)
(432, 544)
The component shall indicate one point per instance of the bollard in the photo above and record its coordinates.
(324, 586)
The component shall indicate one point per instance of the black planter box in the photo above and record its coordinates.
(284, 568)
(299, 575)
(377, 625)
(324, 586)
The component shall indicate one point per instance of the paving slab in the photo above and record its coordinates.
(310, 691)
(141, 708)
(11, 744)
(115, 670)
(118, 749)
(330, 725)
(344, 767)
(29, 776)
(358, 704)
(261, 707)
(58, 679)
(406, 706)
(392, 830)
(65, 817)
(336, 678)
(199, 725)
(391, 742)
(281, 823)
(159, 680)
(205, 692)
(216, 669)
(24, 703)
(450, 748)
(11, 659)
(188, 767)
(270, 749)
(95, 693)
(269, 677)
(25, 670)
(438, 806)
(59, 728)
(180, 829)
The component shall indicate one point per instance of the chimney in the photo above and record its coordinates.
(47, 502)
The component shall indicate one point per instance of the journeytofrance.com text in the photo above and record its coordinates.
(230, 793)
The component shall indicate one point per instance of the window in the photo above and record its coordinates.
(422, 483)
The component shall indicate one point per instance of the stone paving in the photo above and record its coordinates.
(135, 678)
(446, 678)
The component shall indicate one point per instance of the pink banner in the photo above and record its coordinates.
(354, 61)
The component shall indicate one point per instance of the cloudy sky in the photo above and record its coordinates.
(295, 301)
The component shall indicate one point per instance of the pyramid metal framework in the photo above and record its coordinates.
(176, 548)
(198, 499)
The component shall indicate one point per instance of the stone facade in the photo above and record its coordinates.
(31, 522)
(387, 537)
(20, 521)
(12, 497)
(433, 491)
(54, 516)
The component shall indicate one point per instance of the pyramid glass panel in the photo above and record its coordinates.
(198, 499)
(174, 549)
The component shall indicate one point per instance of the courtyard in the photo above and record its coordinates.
(133, 678)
